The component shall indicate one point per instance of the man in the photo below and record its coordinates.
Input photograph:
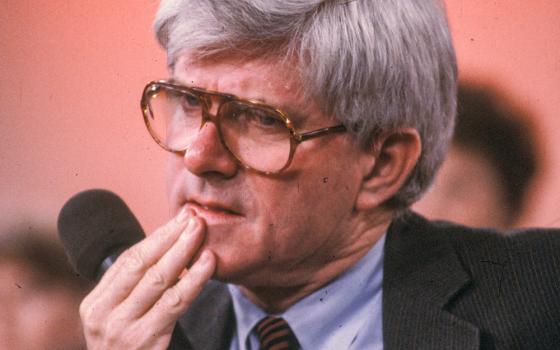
(490, 165)
(299, 134)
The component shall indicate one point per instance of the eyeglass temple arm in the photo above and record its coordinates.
(319, 132)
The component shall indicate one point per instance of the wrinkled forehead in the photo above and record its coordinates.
(267, 80)
(275, 70)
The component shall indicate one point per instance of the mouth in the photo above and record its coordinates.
(214, 213)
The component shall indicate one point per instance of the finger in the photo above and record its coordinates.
(176, 300)
(165, 272)
(129, 268)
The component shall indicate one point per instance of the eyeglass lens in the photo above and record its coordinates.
(256, 135)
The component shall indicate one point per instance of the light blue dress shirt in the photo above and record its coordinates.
(344, 314)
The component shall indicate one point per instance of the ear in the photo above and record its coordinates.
(387, 165)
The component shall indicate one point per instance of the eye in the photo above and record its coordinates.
(263, 118)
(247, 117)
(190, 101)
(267, 120)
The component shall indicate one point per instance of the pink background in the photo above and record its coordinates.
(71, 74)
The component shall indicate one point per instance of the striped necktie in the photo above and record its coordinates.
(275, 334)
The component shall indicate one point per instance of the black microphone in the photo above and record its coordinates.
(95, 227)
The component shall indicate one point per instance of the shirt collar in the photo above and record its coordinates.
(337, 309)
(247, 315)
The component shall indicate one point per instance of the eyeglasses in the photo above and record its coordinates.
(259, 137)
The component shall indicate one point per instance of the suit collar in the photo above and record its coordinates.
(209, 321)
(422, 275)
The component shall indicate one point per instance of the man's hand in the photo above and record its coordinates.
(138, 301)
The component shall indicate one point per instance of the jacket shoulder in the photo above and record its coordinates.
(535, 250)
(514, 294)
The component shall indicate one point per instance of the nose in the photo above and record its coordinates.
(207, 156)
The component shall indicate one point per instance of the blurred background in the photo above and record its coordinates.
(72, 73)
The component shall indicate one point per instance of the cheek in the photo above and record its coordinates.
(173, 169)
(331, 179)
(308, 210)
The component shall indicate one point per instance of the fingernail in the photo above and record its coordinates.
(192, 224)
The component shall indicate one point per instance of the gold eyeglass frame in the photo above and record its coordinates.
(205, 97)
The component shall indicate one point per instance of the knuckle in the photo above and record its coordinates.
(84, 308)
(112, 337)
(87, 311)
(172, 299)
(166, 237)
(133, 259)
(113, 328)
(168, 233)
(155, 278)
(90, 323)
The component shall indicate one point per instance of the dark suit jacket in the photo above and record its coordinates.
(445, 287)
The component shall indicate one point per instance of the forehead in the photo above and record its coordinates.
(269, 81)
(238, 76)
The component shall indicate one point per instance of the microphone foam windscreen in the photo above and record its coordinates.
(93, 225)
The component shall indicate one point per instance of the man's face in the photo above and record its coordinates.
(287, 225)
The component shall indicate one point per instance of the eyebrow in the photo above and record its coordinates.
(294, 115)
(178, 82)
(257, 99)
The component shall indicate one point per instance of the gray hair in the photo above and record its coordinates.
(376, 65)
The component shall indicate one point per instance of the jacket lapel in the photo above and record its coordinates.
(208, 324)
(422, 275)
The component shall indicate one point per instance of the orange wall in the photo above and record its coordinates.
(72, 73)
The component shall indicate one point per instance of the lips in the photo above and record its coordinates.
(214, 212)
